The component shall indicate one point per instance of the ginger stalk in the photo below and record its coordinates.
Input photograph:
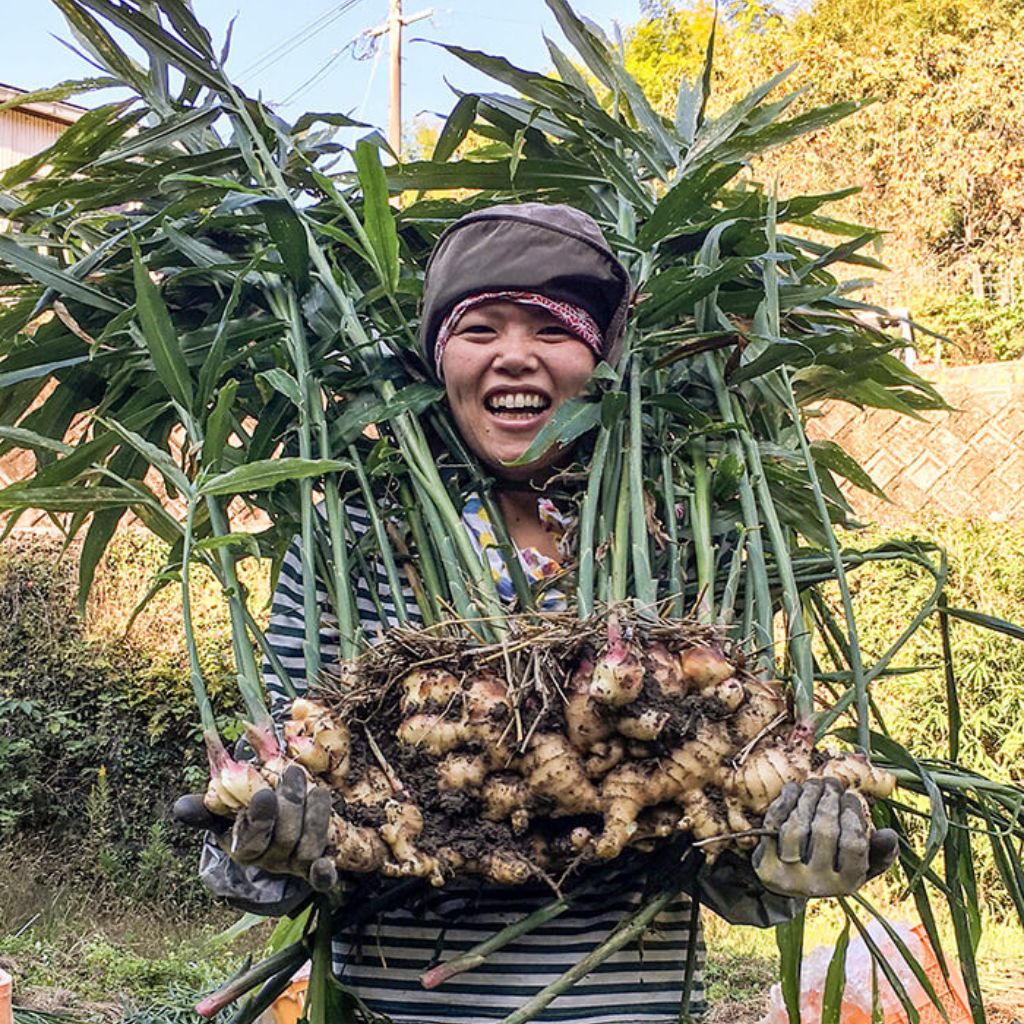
(618, 675)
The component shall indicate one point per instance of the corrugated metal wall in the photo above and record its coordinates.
(23, 134)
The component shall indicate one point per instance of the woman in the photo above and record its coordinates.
(520, 303)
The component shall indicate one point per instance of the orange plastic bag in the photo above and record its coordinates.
(288, 1006)
(856, 1007)
(952, 993)
(6, 1010)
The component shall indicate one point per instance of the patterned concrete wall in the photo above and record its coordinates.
(968, 463)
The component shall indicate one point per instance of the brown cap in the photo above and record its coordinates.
(555, 250)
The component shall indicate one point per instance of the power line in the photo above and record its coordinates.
(293, 42)
(279, 49)
(370, 48)
(315, 77)
(362, 47)
(369, 82)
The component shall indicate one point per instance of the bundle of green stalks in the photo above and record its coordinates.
(190, 287)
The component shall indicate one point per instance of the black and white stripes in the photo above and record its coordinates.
(641, 984)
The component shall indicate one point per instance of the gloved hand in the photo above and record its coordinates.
(283, 831)
(823, 846)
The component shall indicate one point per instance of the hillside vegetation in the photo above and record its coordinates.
(938, 158)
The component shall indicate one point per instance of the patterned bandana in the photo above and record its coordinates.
(574, 318)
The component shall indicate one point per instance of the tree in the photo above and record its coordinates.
(939, 158)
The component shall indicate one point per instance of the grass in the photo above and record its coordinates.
(741, 966)
(986, 575)
(109, 957)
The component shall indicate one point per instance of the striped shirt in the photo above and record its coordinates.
(382, 962)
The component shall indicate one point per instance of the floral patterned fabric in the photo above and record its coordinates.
(538, 567)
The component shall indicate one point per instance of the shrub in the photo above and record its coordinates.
(980, 330)
(97, 732)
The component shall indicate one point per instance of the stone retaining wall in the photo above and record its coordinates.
(967, 463)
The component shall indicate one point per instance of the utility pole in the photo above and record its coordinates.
(395, 92)
(393, 27)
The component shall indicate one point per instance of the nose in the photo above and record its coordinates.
(514, 350)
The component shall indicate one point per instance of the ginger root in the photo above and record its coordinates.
(666, 670)
(429, 684)
(401, 829)
(856, 772)
(317, 741)
(356, 847)
(584, 722)
(553, 770)
(704, 667)
(625, 792)
(644, 742)
(761, 777)
(618, 675)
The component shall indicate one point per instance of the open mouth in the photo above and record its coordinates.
(517, 405)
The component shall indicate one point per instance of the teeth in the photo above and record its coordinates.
(517, 400)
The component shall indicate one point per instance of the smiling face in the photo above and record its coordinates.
(507, 368)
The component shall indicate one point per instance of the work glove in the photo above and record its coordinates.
(822, 843)
(283, 831)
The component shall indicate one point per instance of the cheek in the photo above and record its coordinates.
(460, 376)
(572, 369)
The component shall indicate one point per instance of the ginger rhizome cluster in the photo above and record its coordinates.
(559, 747)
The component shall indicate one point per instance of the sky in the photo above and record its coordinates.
(301, 54)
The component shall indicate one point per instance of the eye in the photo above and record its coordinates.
(555, 332)
(475, 332)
